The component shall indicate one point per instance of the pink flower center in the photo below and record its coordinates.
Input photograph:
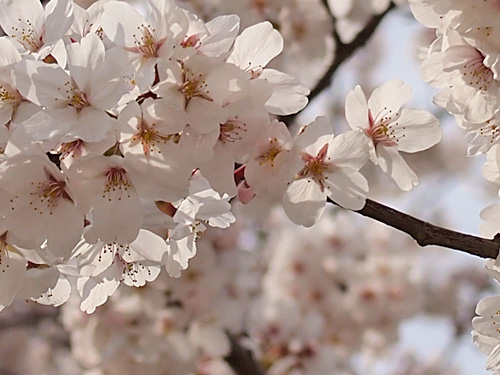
(315, 167)
(381, 129)
(117, 184)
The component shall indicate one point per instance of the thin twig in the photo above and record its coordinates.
(342, 53)
(429, 234)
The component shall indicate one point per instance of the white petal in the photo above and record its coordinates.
(256, 46)
(96, 290)
(59, 18)
(393, 164)
(43, 84)
(417, 130)
(347, 189)
(356, 109)
(12, 277)
(389, 96)
(304, 202)
(84, 58)
(289, 94)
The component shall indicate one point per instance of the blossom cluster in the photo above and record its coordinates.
(301, 311)
(463, 62)
(121, 135)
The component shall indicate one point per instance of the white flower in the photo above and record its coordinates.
(37, 30)
(42, 203)
(103, 186)
(145, 40)
(389, 129)
(104, 266)
(76, 103)
(328, 168)
(151, 142)
(253, 49)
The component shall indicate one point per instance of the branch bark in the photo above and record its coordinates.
(428, 234)
(242, 360)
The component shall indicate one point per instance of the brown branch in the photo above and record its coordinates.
(242, 360)
(428, 234)
(342, 53)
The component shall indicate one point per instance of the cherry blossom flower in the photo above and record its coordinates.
(104, 265)
(103, 186)
(326, 166)
(37, 31)
(76, 103)
(389, 129)
(152, 143)
(145, 39)
(253, 49)
(41, 199)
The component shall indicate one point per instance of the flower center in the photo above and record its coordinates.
(191, 41)
(149, 137)
(230, 131)
(271, 153)
(381, 128)
(145, 44)
(193, 86)
(315, 167)
(117, 183)
(476, 74)
(28, 36)
(9, 95)
(48, 193)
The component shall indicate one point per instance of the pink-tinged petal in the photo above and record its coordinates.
(289, 94)
(43, 84)
(393, 164)
(59, 18)
(347, 188)
(219, 171)
(417, 130)
(51, 124)
(84, 58)
(122, 24)
(223, 30)
(314, 135)
(92, 125)
(349, 149)
(12, 277)
(390, 96)
(476, 106)
(64, 229)
(245, 193)
(356, 109)
(205, 116)
(304, 202)
(256, 46)
(95, 291)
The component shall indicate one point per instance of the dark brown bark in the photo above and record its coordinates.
(429, 234)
